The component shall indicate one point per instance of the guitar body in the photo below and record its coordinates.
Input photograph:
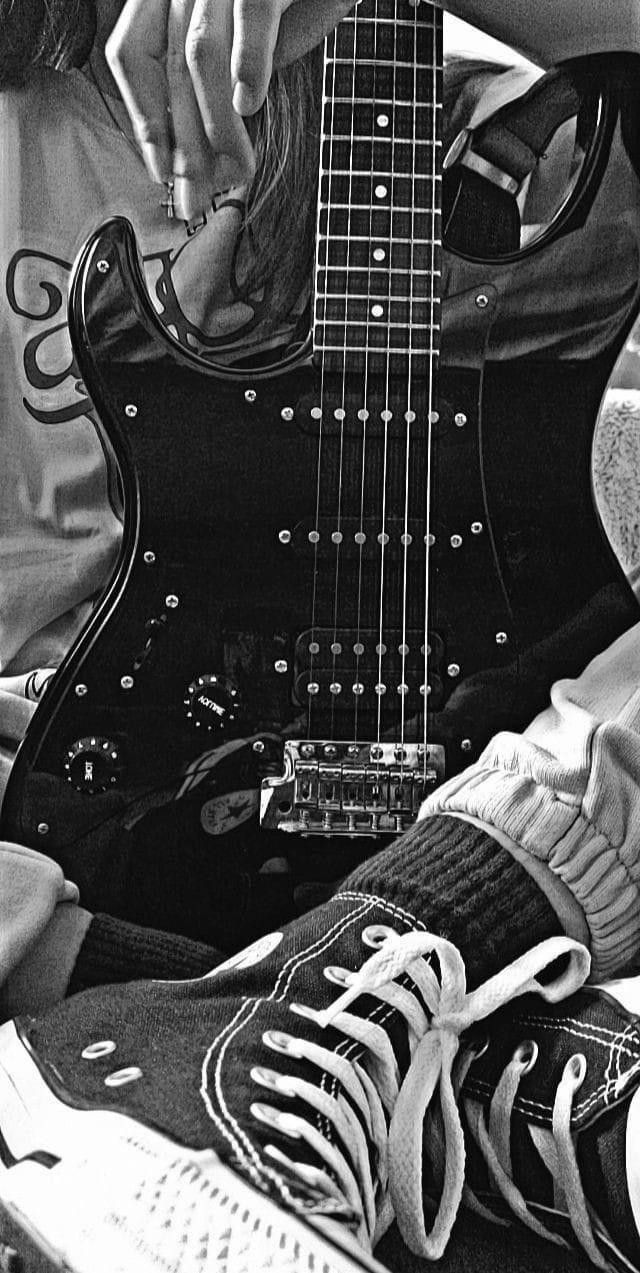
(337, 598)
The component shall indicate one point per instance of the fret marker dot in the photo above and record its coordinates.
(336, 537)
(381, 648)
(336, 647)
(358, 648)
(382, 121)
(381, 192)
(383, 538)
(406, 539)
(314, 536)
(377, 311)
(363, 414)
(360, 537)
(403, 649)
(379, 254)
(339, 413)
(386, 415)
(409, 416)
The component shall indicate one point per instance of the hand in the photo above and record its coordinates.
(189, 70)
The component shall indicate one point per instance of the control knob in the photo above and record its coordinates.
(211, 702)
(92, 764)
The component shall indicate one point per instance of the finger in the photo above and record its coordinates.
(305, 24)
(193, 161)
(255, 31)
(70, 892)
(135, 53)
(208, 49)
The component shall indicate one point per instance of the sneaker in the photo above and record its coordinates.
(266, 1116)
(551, 1108)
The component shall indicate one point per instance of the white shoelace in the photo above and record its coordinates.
(373, 1084)
(555, 1147)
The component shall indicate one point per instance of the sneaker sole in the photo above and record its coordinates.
(93, 1191)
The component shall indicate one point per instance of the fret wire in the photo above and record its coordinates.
(371, 351)
(376, 61)
(384, 101)
(381, 139)
(379, 176)
(366, 296)
(375, 324)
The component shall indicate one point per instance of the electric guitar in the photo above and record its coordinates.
(345, 571)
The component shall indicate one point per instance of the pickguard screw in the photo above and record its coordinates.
(171, 602)
(149, 558)
(466, 744)
(453, 669)
(81, 690)
(482, 301)
(103, 267)
(258, 747)
(284, 536)
(307, 750)
(501, 638)
(281, 665)
(476, 528)
(460, 419)
(287, 413)
(131, 410)
(43, 828)
(126, 682)
(456, 541)
(250, 395)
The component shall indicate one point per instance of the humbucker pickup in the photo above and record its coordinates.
(349, 788)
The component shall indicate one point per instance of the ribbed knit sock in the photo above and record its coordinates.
(115, 950)
(465, 887)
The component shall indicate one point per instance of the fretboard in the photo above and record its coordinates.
(378, 232)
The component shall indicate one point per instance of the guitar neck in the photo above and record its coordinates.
(379, 224)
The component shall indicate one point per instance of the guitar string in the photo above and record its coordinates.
(400, 689)
(382, 537)
(363, 412)
(327, 130)
(341, 397)
(434, 339)
(370, 22)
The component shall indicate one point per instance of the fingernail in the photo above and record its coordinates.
(157, 162)
(71, 892)
(243, 103)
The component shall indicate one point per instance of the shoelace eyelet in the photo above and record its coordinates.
(339, 976)
(281, 1042)
(120, 1077)
(576, 1067)
(526, 1054)
(376, 935)
(269, 1078)
(94, 1051)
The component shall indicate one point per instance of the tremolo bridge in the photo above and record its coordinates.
(330, 788)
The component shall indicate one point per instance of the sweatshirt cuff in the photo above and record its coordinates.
(115, 950)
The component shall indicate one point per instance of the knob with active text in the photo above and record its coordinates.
(211, 702)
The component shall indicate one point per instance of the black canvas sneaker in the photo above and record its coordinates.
(551, 1109)
(266, 1116)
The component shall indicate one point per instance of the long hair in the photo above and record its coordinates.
(57, 33)
(281, 205)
